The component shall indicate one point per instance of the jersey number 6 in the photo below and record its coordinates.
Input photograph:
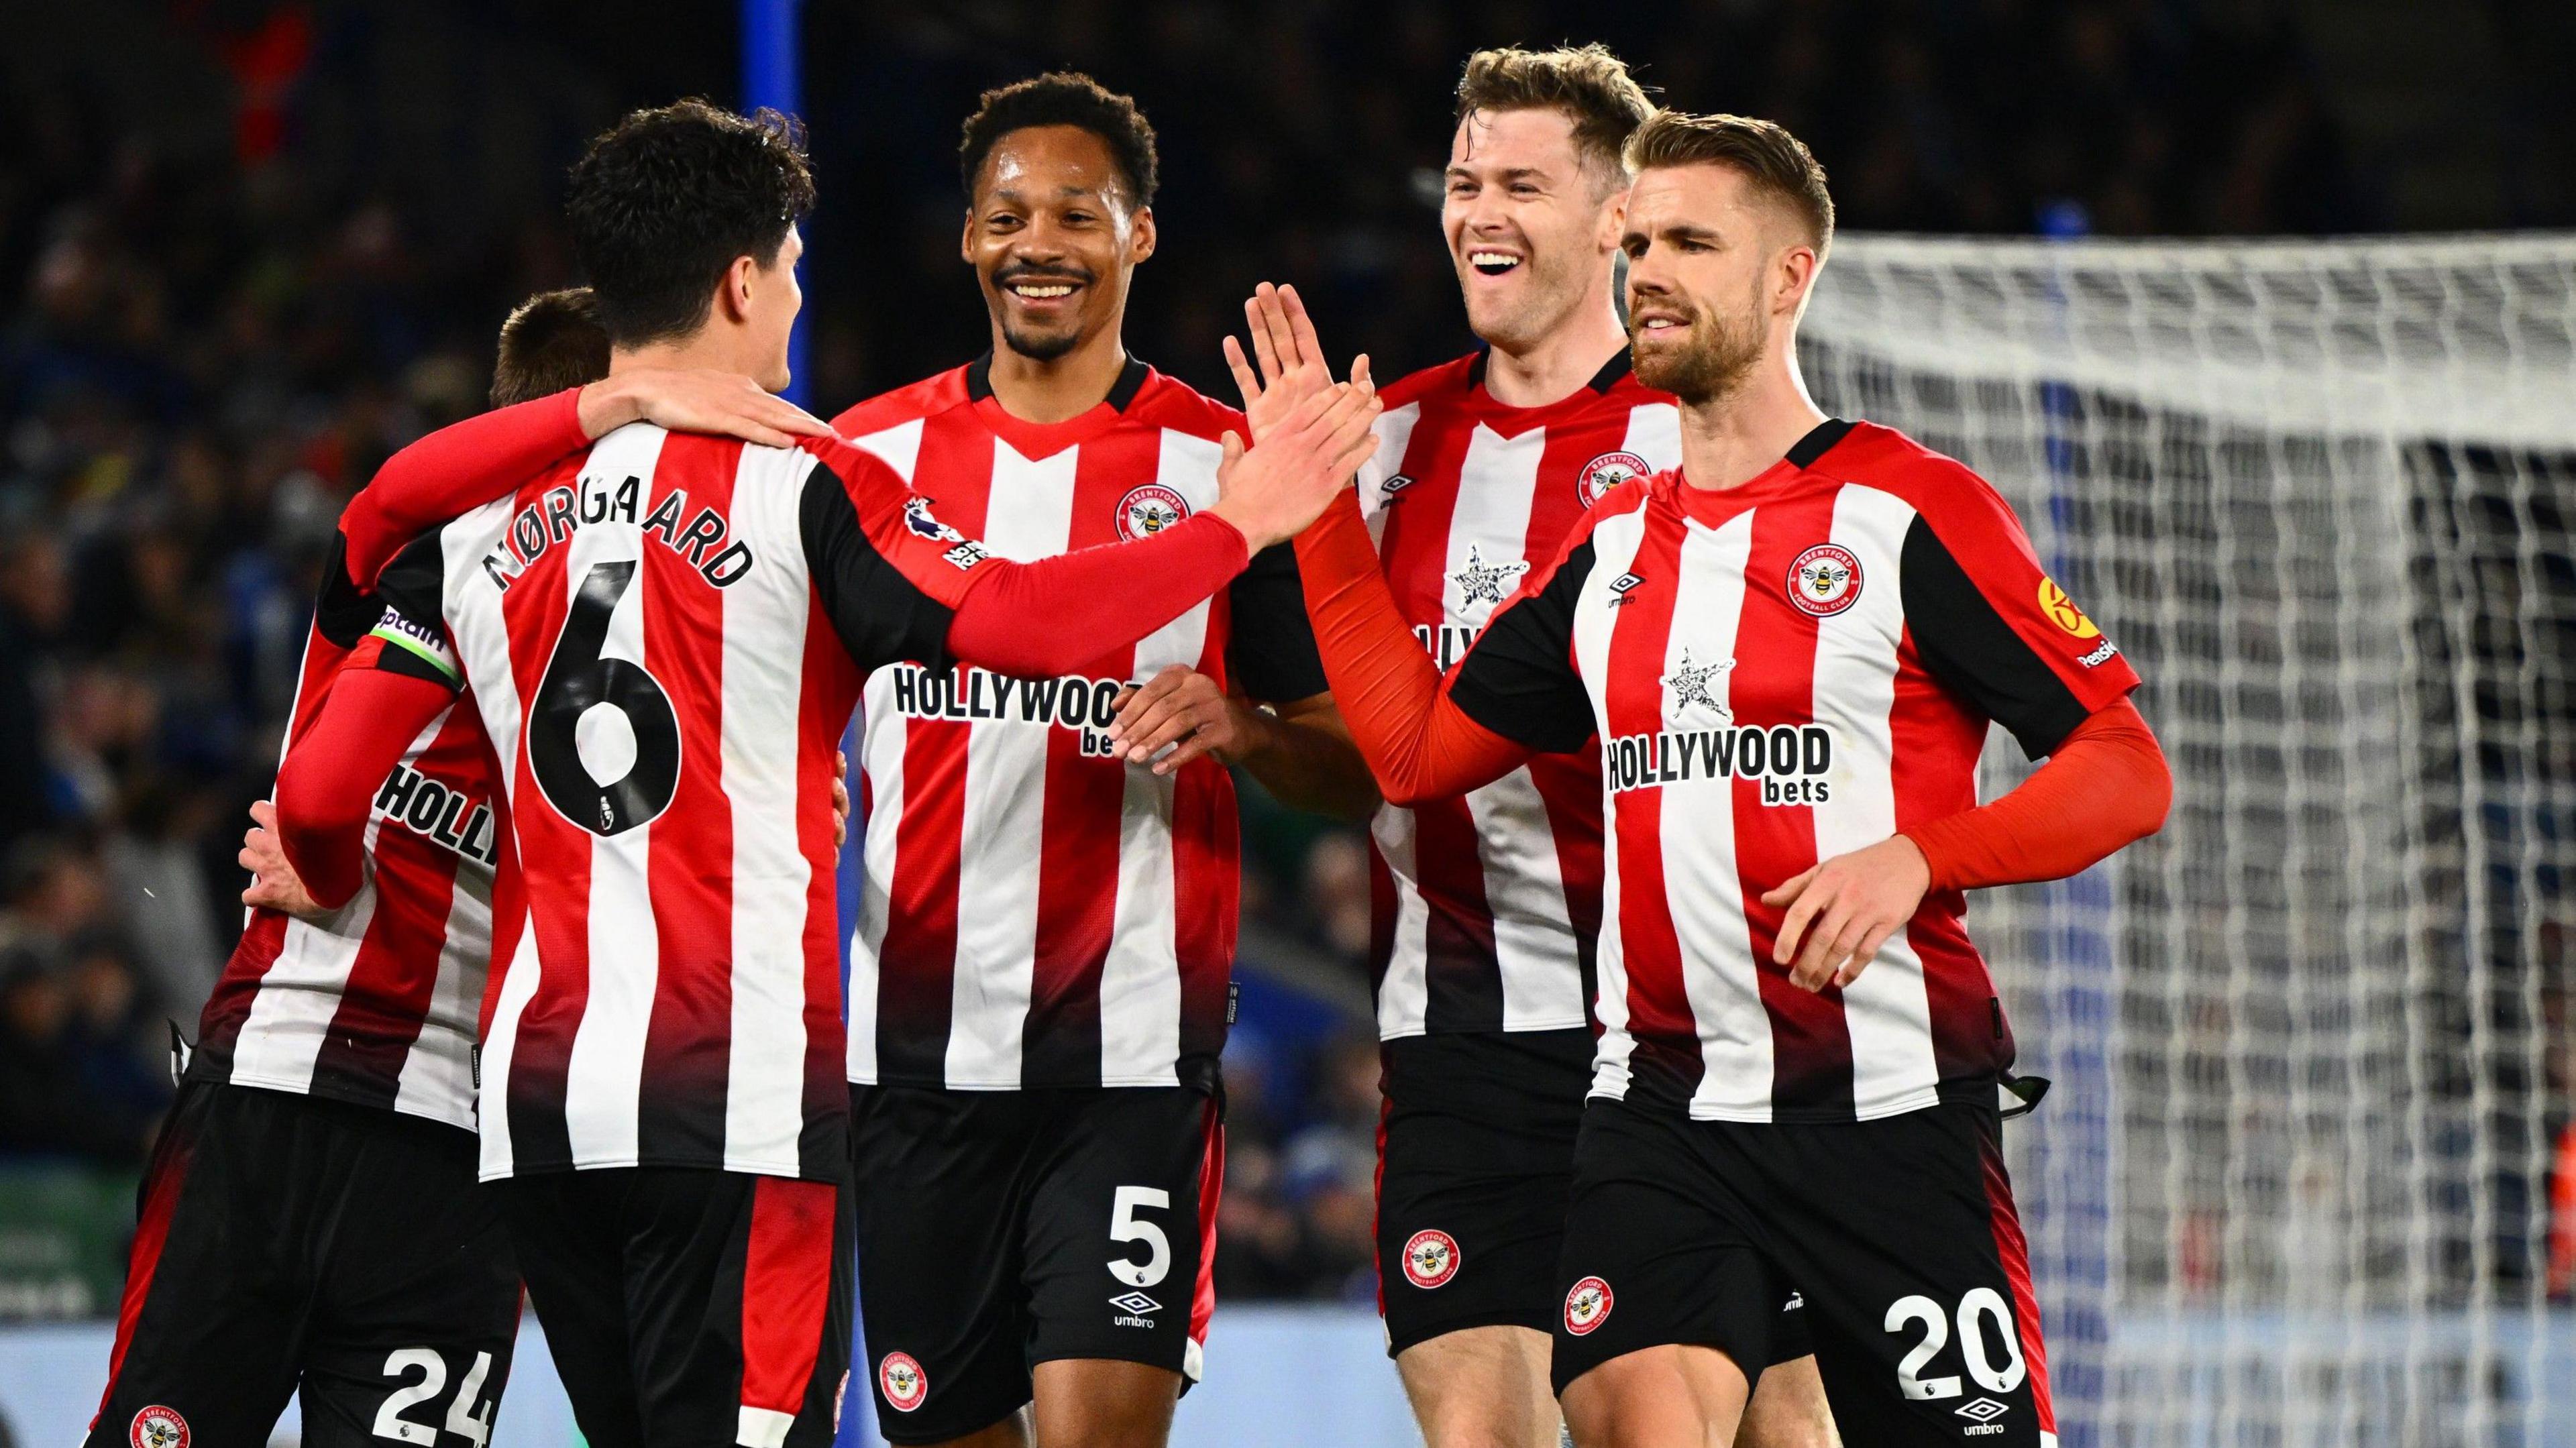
(579, 680)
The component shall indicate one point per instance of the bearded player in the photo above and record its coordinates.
(1039, 977)
(1487, 904)
(1791, 648)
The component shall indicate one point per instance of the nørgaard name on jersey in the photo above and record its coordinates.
(556, 514)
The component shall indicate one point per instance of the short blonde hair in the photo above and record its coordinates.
(1587, 84)
(1778, 164)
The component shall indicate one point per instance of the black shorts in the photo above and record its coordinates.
(1475, 1168)
(1002, 1229)
(1899, 1234)
(290, 1244)
(685, 1306)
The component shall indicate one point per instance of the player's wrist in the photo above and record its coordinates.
(607, 405)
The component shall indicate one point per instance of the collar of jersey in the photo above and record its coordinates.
(1505, 420)
(1035, 440)
(1790, 475)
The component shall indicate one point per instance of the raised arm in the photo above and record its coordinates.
(467, 464)
(328, 782)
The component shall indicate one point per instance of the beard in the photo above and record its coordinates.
(1041, 347)
(1713, 360)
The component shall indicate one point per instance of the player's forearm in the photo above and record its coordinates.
(1307, 761)
(1418, 744)
(454, 470)
(2105, 787)
(1058, 614)
(327, 785)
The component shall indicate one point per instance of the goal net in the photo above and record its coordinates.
(2311, 1044)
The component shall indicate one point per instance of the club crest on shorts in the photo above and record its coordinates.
(1430, 1258)
(158, 1427)
(1825, 580)
(902, 1381)
(1149, 509)
(1606, 472)
(1587, 1305)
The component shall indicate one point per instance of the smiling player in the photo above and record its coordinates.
(1038, 980)
(1487, 904)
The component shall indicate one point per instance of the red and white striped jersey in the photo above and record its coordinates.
(1035, 911)
(1486, 907)
(665, 638)
(375, 1003)
(1778, 673)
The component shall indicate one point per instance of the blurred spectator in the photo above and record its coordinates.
(48, 1101)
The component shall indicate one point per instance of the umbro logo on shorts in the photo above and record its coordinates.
(1133, 1308)
(1984, 1410)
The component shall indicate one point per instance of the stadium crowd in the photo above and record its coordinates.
(217, 326)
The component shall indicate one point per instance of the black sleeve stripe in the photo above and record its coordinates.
(1272, 647)
(396, 659)
(1518, 679)
(341, 612)
(881, 615)
(414, 585)
(1972, 651)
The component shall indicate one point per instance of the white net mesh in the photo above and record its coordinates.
(2310, 1044)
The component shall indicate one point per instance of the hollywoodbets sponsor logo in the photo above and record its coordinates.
(1791, 761)
(1088, 705)
(428, 808)
(1446, 644)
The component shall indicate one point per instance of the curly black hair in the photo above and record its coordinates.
(552, 341)
(665, 200)
(1062, 98)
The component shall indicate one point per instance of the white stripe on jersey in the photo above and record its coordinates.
(1140, 979)
(881, 754)
(298, 997)
(1655, 434)
(1614, 550)
(1394, 434)
(603, 1087)
(1030, 517)
(501, 1046)
(764, 678)
(1887, 1010)
(432, 1077)
(1698, 834)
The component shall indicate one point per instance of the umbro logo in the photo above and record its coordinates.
(1622, 586)
(1984, 1410)
(1135, 1309)
(1395, 483)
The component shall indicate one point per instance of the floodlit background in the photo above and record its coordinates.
(2307, 1176)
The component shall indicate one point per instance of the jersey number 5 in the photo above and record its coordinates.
(579, 681)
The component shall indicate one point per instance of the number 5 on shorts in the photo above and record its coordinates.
(1125, 1226)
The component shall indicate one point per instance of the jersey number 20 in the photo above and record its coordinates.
(579, 680)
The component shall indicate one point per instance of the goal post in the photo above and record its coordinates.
(2310, 1044)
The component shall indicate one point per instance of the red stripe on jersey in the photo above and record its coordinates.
(1569, 785)
(832, 683)
(1462, 980)
(1773, 683)
(1078, 846)
(1935, 741)
(2004, 1221)
(396, 971)
(786, 1289)
(688, 1043)
(1206, 902)
(555, 850)
(1659, 1010)
(917, 964)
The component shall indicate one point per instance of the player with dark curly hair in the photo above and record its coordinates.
(1039, 975)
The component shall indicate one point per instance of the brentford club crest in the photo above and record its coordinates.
(1430, 1258)
(1150, 509)
(1587, 1306)
(158, 1427)
(1825, 580)
(902, 1381)
(1606, 472)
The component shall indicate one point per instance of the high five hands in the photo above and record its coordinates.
(1307, 441)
